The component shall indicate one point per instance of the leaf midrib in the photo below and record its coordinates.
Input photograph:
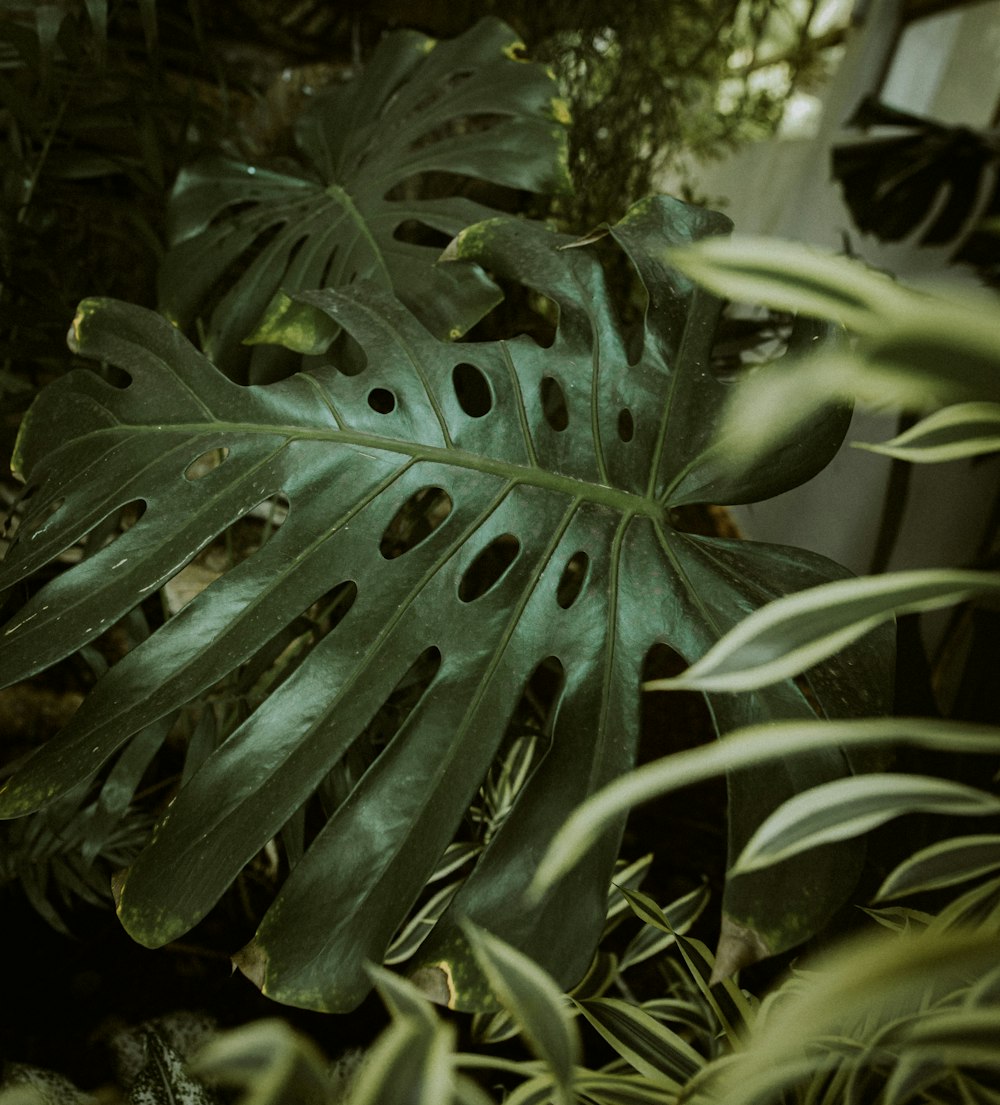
(342, 198)
(617, 499)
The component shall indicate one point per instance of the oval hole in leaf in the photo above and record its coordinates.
(328, 279)
(272, 512)
(472, 390)
(521, 311)
(112, 526)
(233, 545)
(381, 400)
(572, 579)
(347, 355)
(626, 424)
(33, 519)
(543, 691)
(282, 654)
(417, 233)
(536, 707)
(201, 466)
(688, 709)
(627, 297)
(554, 404)
(489, 567)
(747, 335)
(415, 521)
(400, 703)
(117, 377)
(525, 742)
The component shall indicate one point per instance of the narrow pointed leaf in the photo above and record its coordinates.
(417, 928)
(654, 1050)
(754, 745)
(535, 1002)
(913, 350)
(626, 878)
(854, 985)
(955, 1037)
(793, 633)
(790, 276)
(958, 431)
(975, 908)
(849, 807)
(622, 1089)
(662, 926)
(943, 864)
(409, 1064)
(404, 1000)
(721, 992)
(538, 1090)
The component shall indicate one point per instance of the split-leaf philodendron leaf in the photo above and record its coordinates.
(467, 107)
(572, 496)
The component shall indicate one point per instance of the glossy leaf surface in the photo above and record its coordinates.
(526, 496)
(466, 107)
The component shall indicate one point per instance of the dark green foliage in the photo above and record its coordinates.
(93, 127)
(383, 161)
(406, 598)
(553, 547)
(67, 853)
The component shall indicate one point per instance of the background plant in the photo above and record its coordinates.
(651, 97)
(389, 163)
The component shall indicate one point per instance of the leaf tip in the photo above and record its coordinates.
(74, 337)
(251, 960)
(738, 947)
(17, 800)
(436, 982)
(560, 111)
(118, 880)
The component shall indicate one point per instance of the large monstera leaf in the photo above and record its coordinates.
(466, 107)
(565, 467)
